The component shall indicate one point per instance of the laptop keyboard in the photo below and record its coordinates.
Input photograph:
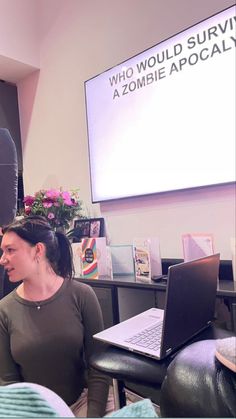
(148, 338)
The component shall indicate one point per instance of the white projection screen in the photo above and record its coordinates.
(164, 120)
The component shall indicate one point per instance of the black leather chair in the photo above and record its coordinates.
(8, 186)
(8, 177)
(198, 385)
(143, 375)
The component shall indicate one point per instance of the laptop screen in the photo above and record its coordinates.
(191, 287)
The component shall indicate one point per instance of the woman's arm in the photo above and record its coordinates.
(9, 371)
(98, 384)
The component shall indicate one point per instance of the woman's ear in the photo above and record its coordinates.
(39, 250)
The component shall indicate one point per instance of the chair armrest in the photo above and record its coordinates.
(198, 385)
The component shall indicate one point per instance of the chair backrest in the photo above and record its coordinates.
(8, 187)
(8, 177)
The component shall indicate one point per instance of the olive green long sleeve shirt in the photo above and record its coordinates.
(50, 343)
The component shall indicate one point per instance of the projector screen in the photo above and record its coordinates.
(164, 120)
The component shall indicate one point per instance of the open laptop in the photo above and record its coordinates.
(189, 308)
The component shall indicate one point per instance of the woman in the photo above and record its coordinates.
(47, 322)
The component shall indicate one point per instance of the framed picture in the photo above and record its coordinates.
(96, 227)
(81, 229)
(87, 227)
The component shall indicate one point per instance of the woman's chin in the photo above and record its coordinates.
(13, 278)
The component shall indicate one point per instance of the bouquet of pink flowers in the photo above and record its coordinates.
(59, 207)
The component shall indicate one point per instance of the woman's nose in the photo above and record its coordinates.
(2, 260)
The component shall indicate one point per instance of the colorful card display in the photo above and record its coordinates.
(77, 260)
(89, 258)
(102, 256)
(147, 258)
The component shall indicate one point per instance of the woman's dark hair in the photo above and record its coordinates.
(34, 229)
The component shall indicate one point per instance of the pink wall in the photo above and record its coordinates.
(79, 39)
(18, 31)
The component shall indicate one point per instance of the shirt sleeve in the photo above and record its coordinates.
(98, 384)
(9, 371)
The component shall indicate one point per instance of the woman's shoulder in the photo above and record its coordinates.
(81, 289)
(82, 294)
(7, 302)
(7, 298)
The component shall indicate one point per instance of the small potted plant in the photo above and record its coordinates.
(58, 206)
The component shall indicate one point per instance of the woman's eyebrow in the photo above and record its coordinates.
(6, 246)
